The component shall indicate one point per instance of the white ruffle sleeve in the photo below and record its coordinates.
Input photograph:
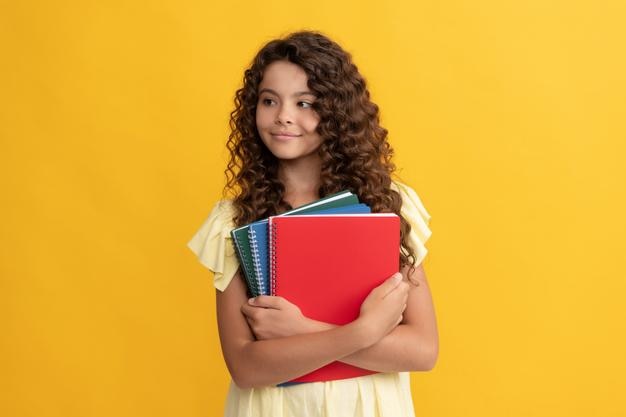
(414, 212)
(213, 244)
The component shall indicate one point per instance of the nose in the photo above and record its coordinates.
(284, 116)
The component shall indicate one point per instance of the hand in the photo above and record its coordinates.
(270, 317)
(382, 310)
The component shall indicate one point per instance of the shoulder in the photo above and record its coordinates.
(212, 244)
(219, 219)
(411, 202)
(414, 212)
(224, 211)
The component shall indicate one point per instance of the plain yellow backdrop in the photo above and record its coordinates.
(507, 117)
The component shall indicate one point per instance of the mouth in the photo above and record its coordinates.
(284, 135)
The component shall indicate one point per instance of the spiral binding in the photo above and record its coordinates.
(272, 256)
(247, 267)
(256, 260)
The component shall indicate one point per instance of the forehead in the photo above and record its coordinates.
(284, 75)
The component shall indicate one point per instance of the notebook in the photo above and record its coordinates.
(258, 241)
(241, 239)
(328, 264)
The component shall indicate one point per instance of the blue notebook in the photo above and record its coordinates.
(257, 237)
(258, 240)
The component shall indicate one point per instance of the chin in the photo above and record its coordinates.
(285, 156)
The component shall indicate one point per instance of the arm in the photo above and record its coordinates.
(255, 363)
(411, 346)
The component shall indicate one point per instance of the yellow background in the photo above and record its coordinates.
(507, 117)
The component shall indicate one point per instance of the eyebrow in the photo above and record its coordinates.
(299, 93)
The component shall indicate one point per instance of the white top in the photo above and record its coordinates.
(376, 395)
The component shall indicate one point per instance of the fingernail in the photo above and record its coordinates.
(397, 277)
(251, 300)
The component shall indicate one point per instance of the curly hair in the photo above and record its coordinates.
(355, 153)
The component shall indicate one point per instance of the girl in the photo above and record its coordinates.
(304, 127)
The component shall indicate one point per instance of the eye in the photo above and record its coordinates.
(267, 101)
(305, 104)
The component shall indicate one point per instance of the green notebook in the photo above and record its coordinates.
(242, 242)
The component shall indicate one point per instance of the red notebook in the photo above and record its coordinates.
(328, 264)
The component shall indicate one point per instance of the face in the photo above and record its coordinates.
(285, 118)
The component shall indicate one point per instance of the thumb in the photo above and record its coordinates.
(390, 283)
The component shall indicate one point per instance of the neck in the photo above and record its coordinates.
(301, 180)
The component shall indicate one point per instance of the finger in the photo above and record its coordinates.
(266, 301)
(247, 310)
(399, 293)
(252, 311)
(405, 293)
(390, 284)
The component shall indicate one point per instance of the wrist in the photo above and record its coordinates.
(312, 326)
(366, 332)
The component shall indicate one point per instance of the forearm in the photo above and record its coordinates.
(403, 349)
(273, 361)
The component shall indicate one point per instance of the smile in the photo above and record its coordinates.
(284, 136)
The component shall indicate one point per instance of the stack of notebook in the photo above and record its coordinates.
(251, 241)
(325, 257)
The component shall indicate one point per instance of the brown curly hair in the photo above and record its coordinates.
(355, 153)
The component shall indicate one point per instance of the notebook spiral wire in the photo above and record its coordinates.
(272, 258)
(247, 267)
(256, 260)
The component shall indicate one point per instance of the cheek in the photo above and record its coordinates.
(263, 117)
(259, 118)
(310, 124)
